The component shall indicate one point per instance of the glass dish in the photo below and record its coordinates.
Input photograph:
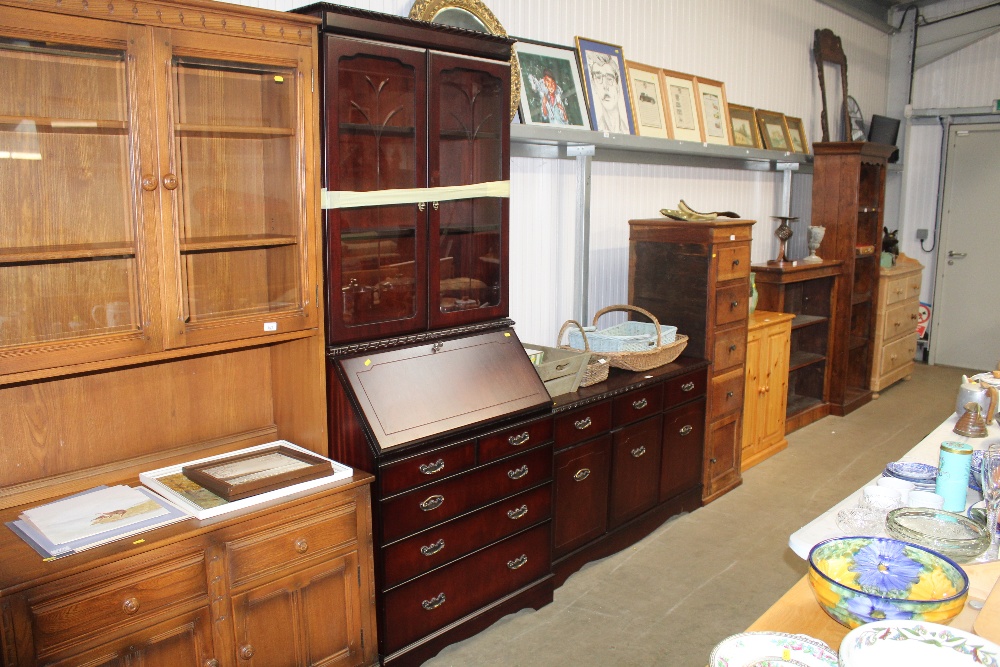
(950, 534)
(860, 521)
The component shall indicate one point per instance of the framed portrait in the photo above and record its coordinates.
(743, 126)
(551, 88)
(773, 130)
(714, 111)
(648, 110)
(683, 110)
(797, 134)
(608, 98)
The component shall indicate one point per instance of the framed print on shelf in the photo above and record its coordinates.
(604, 77)
(714, 111)
(797, 134)
(251, 473)
(648, 109)
(773, 130)
(551, 89)
(743, 126)
(683, 110)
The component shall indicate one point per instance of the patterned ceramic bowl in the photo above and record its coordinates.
(858, 580)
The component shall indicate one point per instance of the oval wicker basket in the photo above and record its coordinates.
(643, 361)
(597, 367)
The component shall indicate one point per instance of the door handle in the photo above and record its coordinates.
(952, 253)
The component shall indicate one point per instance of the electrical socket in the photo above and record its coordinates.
(921, 234)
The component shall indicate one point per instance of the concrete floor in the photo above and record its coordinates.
(706, 575)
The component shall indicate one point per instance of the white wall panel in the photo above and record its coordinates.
(966, 78)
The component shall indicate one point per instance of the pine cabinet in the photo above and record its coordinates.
(160, 184)
(896, 311)
(766, 392)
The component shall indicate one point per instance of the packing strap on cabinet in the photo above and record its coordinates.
(352, 199)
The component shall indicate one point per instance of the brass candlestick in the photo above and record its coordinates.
(783, 232)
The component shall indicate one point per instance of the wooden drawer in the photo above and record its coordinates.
(514, 440)
(727, 392)
(731, 303)
(684, 388)
(635, 477)
(900, 319)
(637, 404)
(734, 262)
(92, 607)
(730, 348)
(898, 353)
(283, 547)
(896, 290)
(444, 543)
(583, 424)
(427, 467)
(435, 600)
(913, 286)
(581, 480)
(424, 507)
(683, 449)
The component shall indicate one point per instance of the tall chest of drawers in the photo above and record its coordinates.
(896, 309)
(696, 276)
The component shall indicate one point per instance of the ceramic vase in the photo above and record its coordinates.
(816, 235)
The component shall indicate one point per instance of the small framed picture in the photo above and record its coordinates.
(648, 111)
(797, 134)
(683, 110)
(608, 98)
(773, 130)
(551, 88)
(743, 126)
(252, 473)
(714, 111)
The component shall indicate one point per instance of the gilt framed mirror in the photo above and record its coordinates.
(470, 15)
(829, 54)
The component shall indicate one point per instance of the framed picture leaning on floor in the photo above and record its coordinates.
(551, 88)
(608, 98)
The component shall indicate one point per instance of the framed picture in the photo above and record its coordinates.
(714, 111)
(773, 130)
(251, 473)
(551, 89)
(743, 126)
(683, 110)
(648, 110)
(604, 78)
(797, 134)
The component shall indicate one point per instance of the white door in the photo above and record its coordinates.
(965, 331)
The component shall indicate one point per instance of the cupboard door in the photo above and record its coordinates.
(73, 262)
(581, 494)
(635, 473)
(311, 617)
(683, 447)
(468, 136)
(722, 457)
(233, 180)
(376, 140)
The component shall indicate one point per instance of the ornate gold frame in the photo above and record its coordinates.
(426, 10)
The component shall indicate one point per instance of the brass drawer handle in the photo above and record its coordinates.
(518, 562)
(434, 602)
(246, 651)
(432, 503)
(518, 513)
(432, 549)
(581, 474)
(519, 472)
(687, 386)
(432, 468)
(638, 451)
(581, 424)
(518, 440)
(640, 404)
(301, 545)
(686, 429)
(130, 606)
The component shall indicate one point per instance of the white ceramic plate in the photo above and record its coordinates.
(885, 643)
(772, 649)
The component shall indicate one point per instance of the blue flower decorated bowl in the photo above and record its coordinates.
(858, 580)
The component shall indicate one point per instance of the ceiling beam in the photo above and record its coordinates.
(946, 36)
(873, 12)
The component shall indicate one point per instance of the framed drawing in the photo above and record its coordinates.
(551, 89)
(252, 473)
(608, 99)
(648, 110)
(743, 126)
(797, 134)
(773, 130)
(714, 111)
(683, 110)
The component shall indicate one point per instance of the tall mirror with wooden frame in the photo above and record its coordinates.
(829, 54)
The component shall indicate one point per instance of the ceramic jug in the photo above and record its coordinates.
(974, 392)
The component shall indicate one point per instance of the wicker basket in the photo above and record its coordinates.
(629, 336)
(643, 361)
(597, 367)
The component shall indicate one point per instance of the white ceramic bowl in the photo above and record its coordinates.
(924, 499)
(900, 485)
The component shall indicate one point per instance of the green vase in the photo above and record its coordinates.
(753, 292)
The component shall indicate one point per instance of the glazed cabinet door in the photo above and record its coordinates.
(75, 243)
(311, 617)
(469, 130)
(235, 182)
(375, 141)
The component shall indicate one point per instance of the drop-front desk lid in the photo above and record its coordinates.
(412, 394)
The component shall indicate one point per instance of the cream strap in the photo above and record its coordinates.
(351, 199)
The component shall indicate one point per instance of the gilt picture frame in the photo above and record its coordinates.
(683, 109)
(743, 126)
(648, 102)
(552, 90)
(606, 82)
(714, 111)
(797, 135)
(773, 130)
